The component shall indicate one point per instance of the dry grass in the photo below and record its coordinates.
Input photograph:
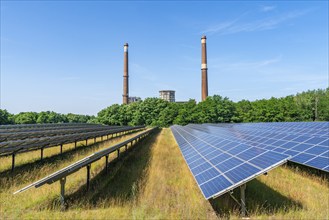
(153, 182)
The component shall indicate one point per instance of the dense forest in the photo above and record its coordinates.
(306, 106)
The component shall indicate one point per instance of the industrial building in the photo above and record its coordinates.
(168, 95)
(132, 99)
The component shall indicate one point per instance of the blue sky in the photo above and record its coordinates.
(68, 56)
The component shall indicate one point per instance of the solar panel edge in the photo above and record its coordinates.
(248, 179)
(323, 169)
(189, 167)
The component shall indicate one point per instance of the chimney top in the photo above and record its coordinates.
(126, 44)
(203, 37)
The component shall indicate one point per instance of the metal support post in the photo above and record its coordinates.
(126, 146)
(243, 200)
(62, 198)
(86, 142)
(13, 163)
(88, 176)
(94, 140)
(75, 145)
(41, 153)
(106, 163)
(118, 152)
(61, 148)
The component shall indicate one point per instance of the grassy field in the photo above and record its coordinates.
(153, 181)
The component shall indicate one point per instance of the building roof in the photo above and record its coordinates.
(167, 91)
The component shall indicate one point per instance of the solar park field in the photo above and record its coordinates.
(207, 171)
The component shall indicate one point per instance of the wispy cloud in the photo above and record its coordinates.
(222, 26)
(237, 26)
(268, 8)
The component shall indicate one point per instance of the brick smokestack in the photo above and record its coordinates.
(204, 69)
(125, 74)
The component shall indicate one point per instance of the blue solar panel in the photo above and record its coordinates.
(303, 141)
(220, 164)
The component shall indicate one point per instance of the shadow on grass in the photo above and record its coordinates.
(10, 177)
(260, 199)
(312, 172)
(120, 184)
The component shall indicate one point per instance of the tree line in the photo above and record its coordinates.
(312, 105)
(42, 117)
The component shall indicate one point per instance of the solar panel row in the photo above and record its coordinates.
(10, 147)
(22, 134)
(220, 164)
(85, 162)
(309, 145)
(26, 126)
(44, 128)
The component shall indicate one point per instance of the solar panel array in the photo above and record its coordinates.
(306, 142)
(21, 134)
(19, 138)
(86, 161)
(44, 126)
(220, 164)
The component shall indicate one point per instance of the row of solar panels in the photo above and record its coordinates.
(309, 147)
(320, 129)
(12, 147)
(21, 135)
(40, 127)
(84, 162)
(222, 157)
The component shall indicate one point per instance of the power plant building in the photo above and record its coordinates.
(168, 95)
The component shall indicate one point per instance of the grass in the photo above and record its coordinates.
(152, 181)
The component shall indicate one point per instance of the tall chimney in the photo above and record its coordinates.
(125, 74)
(204, 69)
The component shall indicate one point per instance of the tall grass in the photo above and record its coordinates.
(153, 181)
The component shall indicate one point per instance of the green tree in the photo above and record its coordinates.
(26, 118)
(5, 117)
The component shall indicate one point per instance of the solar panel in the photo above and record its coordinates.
(220, 164)
(306, 142)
